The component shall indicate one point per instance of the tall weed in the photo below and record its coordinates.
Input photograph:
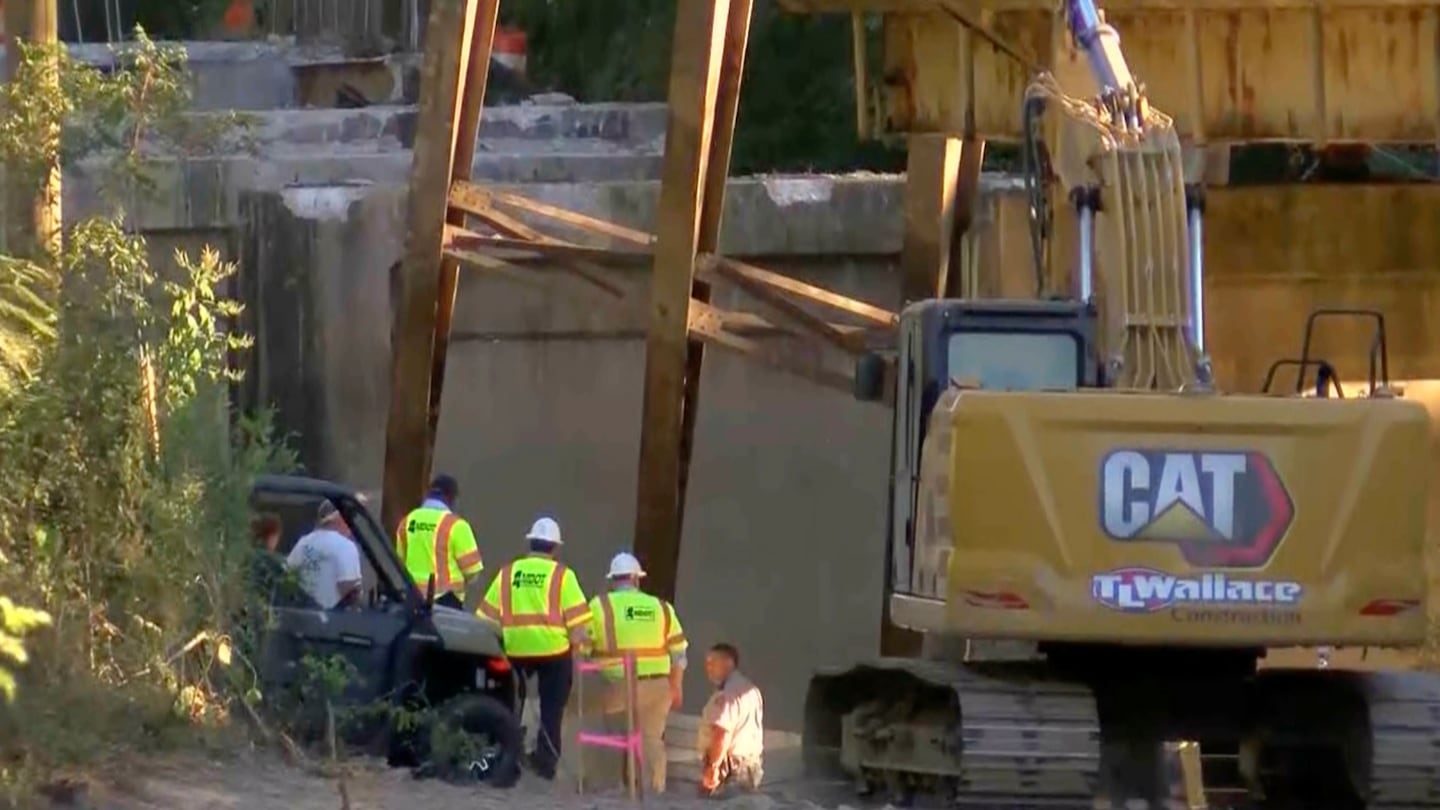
(123, 512)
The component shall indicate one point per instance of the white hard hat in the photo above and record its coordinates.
(545, 529)
(625, 565)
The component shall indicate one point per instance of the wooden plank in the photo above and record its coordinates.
(572, 218)
(407, 433)
(844, 341)
(708, 323)
(467, 129)
(869, 312)
(589, 272)
(696, 58)
(562, 250)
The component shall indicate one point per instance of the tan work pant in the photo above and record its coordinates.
(652, 711)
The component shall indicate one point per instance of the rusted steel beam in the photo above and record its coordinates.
(408, 438)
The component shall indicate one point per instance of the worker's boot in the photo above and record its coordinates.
(539, 766)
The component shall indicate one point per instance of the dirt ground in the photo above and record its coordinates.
(263, 782)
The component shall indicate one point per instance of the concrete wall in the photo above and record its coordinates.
(785, 518)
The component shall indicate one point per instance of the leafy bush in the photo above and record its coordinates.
(125, 514)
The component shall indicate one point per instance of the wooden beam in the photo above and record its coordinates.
(712, 213)
(555, 249)
(696, 57)
(844, 341)
(467, 130)
(877, 315)
(573, 219)
(710, 324)
(408, 438)
(589, 272)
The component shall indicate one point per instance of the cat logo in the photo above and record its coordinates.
(1224, 510)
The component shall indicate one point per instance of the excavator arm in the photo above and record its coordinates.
(1119, 162)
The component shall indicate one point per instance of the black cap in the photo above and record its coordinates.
(446, 487)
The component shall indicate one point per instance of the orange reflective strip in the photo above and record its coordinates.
(552, 617)
(402, 540)
(609, 643)
(489, 611)
(557, 580)
(507, 597)
(442, 553)
(675, 639)
(468, 560)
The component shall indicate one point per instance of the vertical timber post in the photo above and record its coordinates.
(467, 130)
(696, 57)
(712, 212)
(443, 71)
(32, 203)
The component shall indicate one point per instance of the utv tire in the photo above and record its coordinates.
(493, 727)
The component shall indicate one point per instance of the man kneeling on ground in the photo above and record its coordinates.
(731, 726)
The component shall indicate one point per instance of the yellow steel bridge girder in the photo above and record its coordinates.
(1318, 71)
(1274, 254)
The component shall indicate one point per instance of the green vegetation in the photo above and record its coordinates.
(124, 517)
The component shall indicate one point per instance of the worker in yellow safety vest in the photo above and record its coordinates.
(628, 621)
(537, 602)
(434, 541)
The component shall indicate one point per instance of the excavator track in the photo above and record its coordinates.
(981, 735)
(1404, 745)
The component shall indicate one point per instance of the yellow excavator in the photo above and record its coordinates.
(1098, 547)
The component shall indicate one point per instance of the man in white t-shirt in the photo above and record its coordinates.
(732, 726)
(326, 560)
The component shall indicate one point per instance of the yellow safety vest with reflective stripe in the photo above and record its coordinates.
(437, 541)
(630, 621)
(536, 601)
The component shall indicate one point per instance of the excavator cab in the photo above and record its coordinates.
(1005, 345)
